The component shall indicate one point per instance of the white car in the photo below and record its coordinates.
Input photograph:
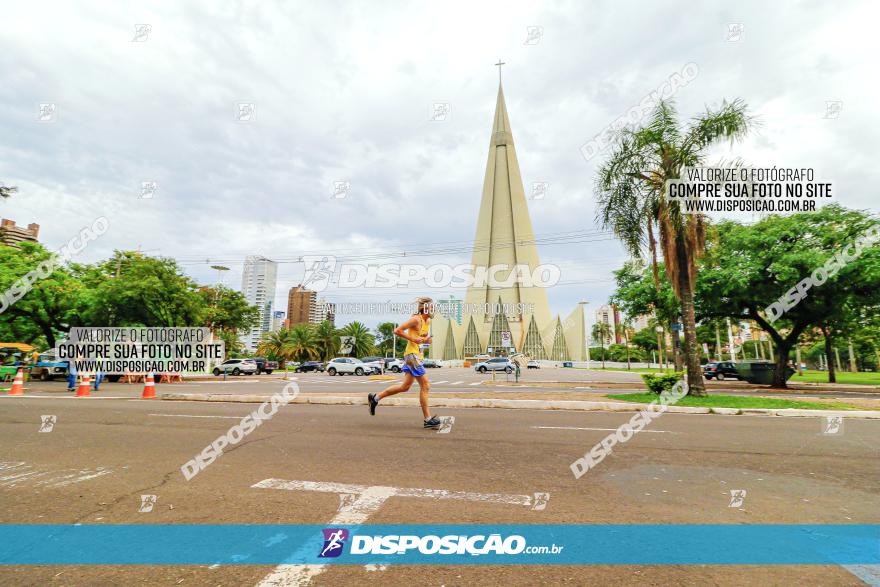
(378, 365)
(394, 365)
(348, 365)
(237, 367)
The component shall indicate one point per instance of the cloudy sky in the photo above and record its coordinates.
(343, 92)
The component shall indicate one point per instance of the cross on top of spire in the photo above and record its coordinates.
(499, 64)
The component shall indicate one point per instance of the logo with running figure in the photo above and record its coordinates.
(334, 541)
(319, 271)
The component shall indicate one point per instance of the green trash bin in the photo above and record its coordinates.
(760, 372)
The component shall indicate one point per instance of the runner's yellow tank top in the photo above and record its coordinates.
(413, 348)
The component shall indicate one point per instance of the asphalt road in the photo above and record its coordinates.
(452, 380)
(103, 455)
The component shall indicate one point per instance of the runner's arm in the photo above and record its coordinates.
(404, 329)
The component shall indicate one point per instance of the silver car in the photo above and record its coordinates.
(496, 364)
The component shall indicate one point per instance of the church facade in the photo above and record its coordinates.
(507, 314)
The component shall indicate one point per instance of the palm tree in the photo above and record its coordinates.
(601, 332)
(631, 191)
(327, 339)
(363, 342)
(277, 344)
(623, 330)
(303, 344)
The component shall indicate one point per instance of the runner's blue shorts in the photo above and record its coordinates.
(413, 365)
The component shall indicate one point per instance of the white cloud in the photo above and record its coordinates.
(343, 91)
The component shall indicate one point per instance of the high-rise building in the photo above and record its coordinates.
(323, 310)
(258, 287)
(278, 320)
(512, 317)
(608, 314)
(300, 305)
(304, 307)
(641, 322)
(11, 235)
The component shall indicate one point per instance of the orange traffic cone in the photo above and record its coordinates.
(149, 387)
(18, 384)
(85, 386)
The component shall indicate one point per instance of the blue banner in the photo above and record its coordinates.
(674, 544)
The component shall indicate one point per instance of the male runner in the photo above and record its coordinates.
(415, 331)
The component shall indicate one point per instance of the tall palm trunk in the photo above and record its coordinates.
(652, 243)
(696, 386)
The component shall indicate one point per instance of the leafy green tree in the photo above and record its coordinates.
(7, 191)
(385, 339)
(364, 341)
(645, 340)
(225, 308)
(749, 267)
(45, 310)
(132, 289)
(632, 200)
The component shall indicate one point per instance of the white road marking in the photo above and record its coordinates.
(477, 383)
(368, 501)
(870, 574)
(22, 472)
(192, 416)
(599, 429)
(456, 383)
(439, 382)
(228, 382)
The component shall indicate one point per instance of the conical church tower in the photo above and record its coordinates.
(504, 237)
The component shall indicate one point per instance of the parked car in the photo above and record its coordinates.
(310, 366)
(48, 367)
(377, 363)
(237, 367)
(533, 364)
(721, 371)
(496, 364)
(431, 364)
(393, 364)
(264, 365)
(348, 365)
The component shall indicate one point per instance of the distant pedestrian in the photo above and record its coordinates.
(71, 375)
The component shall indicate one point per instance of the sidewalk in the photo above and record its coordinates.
(446, 401)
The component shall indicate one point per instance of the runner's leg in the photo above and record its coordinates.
(398, 388)
(424, 388)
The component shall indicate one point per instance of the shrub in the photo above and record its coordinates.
(660, 382)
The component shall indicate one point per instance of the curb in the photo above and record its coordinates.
(521, 404)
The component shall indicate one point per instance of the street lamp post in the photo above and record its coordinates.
(583, 304)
